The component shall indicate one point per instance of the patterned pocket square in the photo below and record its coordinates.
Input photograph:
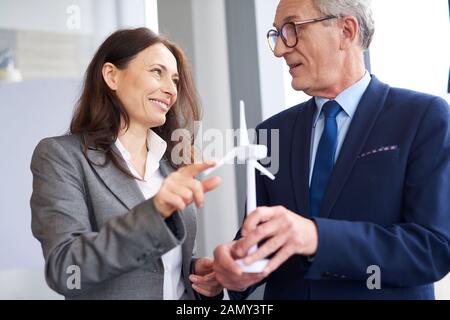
(379, 150)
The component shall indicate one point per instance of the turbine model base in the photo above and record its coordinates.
(255, 267)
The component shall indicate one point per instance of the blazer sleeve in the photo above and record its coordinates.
(62, 222)
(412, 253)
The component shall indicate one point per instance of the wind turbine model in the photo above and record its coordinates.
(250, 153)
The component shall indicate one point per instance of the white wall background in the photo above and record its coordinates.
(34, 109)
(271, 70)
(45, 15)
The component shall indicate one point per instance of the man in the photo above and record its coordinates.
(360, 207)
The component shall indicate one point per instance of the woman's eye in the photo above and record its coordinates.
(157, 71)
(176, 82)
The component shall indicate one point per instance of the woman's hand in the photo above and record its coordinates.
(181, 188)
(204, 278)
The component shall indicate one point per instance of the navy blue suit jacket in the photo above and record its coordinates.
(387, 202)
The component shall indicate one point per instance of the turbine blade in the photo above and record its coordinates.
(263, 170)
(230, 155)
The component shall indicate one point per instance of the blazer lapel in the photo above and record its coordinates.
(165, 167)
(124, 188)
(365, 117)
(300, 156)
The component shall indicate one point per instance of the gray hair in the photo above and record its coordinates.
(360, 9)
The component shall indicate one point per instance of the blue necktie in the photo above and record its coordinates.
(323, 165)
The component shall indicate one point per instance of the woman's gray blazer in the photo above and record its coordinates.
(93, 221)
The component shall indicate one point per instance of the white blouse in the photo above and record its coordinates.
(172, 260)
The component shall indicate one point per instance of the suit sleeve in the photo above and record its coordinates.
(62, 222)
(412, 253)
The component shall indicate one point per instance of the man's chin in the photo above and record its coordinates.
(298, 85)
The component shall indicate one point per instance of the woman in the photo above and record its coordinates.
(111, 206)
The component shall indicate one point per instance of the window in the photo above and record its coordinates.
(411, 46)
(151, 15)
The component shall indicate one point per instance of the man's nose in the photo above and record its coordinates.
(280, 48)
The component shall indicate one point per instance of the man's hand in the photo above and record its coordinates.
(204, 279)
(181, 188)
(228, 272)
(285, 232)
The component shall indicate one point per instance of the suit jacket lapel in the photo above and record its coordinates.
(165, 167)
(124, 188)
(365, 117)
(300, 156)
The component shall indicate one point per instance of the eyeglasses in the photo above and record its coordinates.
(289, 33)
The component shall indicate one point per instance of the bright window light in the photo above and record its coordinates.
(411, 46)
(151, 15)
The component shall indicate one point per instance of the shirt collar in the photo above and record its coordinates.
(156, 145)
(156, 148)
(347, 99)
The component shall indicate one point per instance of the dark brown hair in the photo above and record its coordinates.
(98, 114)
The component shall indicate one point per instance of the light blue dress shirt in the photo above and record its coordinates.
(349, 100)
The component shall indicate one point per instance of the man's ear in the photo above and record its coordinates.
(110, 75)
(350, 28)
